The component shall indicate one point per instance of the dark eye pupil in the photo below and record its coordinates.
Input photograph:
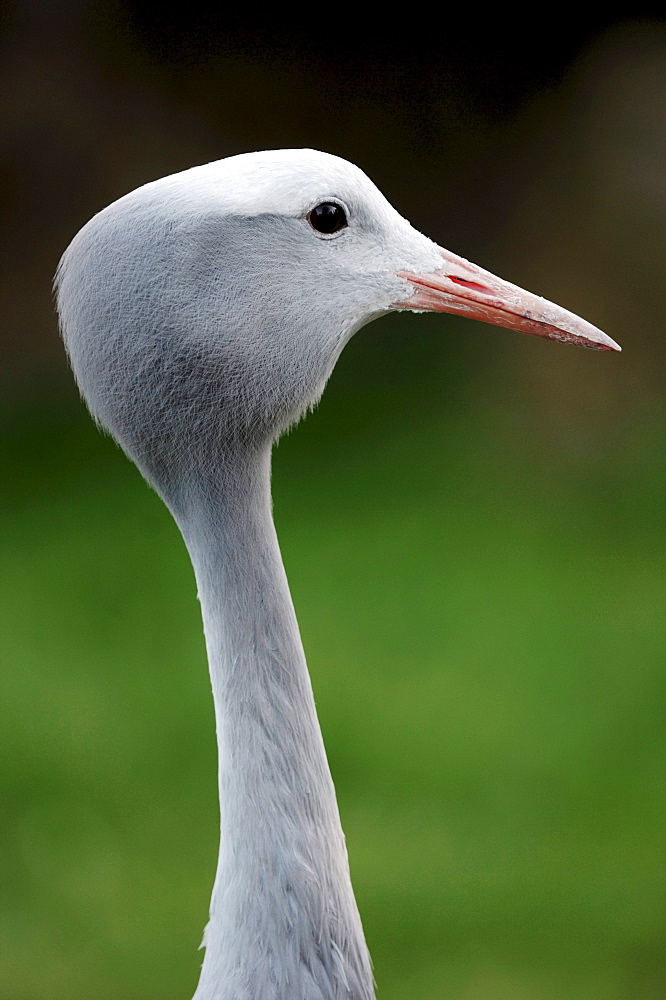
(327, 218)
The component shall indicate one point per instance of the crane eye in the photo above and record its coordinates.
(327, 218)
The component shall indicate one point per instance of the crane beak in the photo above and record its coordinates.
(461, 287)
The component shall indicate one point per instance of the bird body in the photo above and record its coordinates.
(203, 314)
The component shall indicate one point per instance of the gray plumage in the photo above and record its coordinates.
(203, 314)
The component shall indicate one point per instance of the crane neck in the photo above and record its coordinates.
(283, 920)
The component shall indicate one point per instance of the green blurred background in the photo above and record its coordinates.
(472, 521)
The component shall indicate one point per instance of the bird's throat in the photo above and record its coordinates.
(283, 922)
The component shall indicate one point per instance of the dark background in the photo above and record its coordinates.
(472, 521)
